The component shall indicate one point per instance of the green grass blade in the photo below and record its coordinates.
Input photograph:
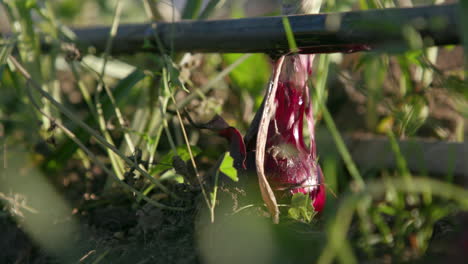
(210, 8)
(192, 9)
(289, 35)
(341, 146)
(121, 92)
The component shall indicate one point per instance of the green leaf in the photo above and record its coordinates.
(412, 37)
(165, 163)
(252, 74)
(174, 74)
(68, 9)
(227, 167)
(30, 4)
(301, 208)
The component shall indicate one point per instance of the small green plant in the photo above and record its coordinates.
(301, 208)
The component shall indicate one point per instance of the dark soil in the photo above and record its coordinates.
(124, 233)
(116, 232)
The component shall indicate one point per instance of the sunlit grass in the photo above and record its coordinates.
(129, 123)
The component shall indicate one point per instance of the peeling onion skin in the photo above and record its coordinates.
(290, 165)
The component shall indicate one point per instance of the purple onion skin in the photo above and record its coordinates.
(290, 165)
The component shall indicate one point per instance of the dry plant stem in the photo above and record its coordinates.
(118, 113)
(152, 151)
(116, 164)
(207, 87)
(94, 158)
(151, 10)
(166, 126)
(265, 189)
(12, 201)
(84, 91)
(102, 123)
(204, 89)
(76, 120)
(54, 84)
(194, 164)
